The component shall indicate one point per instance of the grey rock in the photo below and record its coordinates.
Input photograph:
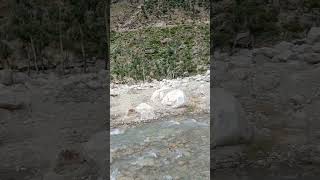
(12, 101)
(6, 77)
(312, 58)
(21, 78)
(313, 35)
(230, 126)
(283, 46)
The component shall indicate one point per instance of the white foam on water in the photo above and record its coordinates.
(167, 177)
(116, 131)
(114, 174)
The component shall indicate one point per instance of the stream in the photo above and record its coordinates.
(177, 148)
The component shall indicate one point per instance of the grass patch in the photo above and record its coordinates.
(158, 53)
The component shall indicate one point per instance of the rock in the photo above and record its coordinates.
(260, 59)
(175, 98)
(283, 46)
(159, 94)
(11, 101)
(230, 127)
(313, 35)
(312, 58)
(52, 176)
(114, 92)
(266, 51)
(6, 77)
(96, 147)
(145, 111)
(243, 40)
(284, 56)
(20, 78)
(316, 47)
(94, 85)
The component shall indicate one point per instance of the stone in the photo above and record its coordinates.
(145, 111)
(20, 78)
(95, 149)
(175, 98)
(313, 35)
(159, 94)
(230, 127)
(6, 77)
(52, 176)
(94, 85)
(312, 58)
(12, 101)
(266, 51)
(283, 46)
(284, 56)
(316, 47)
(260, 59)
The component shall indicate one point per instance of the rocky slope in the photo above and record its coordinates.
(278, 88)
(46, 121)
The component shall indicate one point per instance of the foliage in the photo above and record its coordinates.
(165, 6)
(157, 53)
(47, 23)
(311, 4)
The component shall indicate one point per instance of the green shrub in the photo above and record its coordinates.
(143, 55)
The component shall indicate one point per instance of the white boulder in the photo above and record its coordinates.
(175, 98)
(145, 111)
(159, 94)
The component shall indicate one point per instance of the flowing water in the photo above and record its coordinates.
(177, 148)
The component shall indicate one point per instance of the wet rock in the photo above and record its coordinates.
(145, 111)
(175, 98)
(313, 35)
(230, 125)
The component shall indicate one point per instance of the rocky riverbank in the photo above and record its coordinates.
(46, 121)
(145, 102)
(278, 91)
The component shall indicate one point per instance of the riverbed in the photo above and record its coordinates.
(173, 148)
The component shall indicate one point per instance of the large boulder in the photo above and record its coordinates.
(230, 126)
(175, 98)
(145, 111)
(313, 35)
(159, 94)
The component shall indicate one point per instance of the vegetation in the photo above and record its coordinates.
(68, 25)
(262, 18)
(157, 53)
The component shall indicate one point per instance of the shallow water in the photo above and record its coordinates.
(177, 148)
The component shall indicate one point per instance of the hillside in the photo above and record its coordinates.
(250, 23)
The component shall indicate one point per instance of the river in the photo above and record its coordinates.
(177, 148)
